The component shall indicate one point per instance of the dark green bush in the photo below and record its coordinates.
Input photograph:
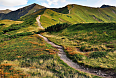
(76, 57)
(82, 48)
(11, 28)
(18, 35)
(57, 27)
(2, 24)
(97, 54)
(1, 32)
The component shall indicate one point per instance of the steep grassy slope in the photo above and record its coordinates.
(92, 44)
(78, 14)
(14, 15)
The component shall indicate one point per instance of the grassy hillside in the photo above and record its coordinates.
(78, 14)
(26, 55)
(79, 29)
(13, 29)
(91, 44)
(31, 56)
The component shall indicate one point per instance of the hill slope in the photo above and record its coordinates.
(23, 53)
(78, 14)
(14, 15)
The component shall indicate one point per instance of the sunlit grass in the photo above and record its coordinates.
(9, 22)
(33, 57)
(80, 41)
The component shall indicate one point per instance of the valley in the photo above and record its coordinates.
(70, 42)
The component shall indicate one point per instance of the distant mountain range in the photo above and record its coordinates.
(74, 12)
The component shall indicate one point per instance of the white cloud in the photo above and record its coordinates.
(45, 4)
(50, 2)
(98, 3)
(63, 0)
(108, 2)
(104, 1)
(13, 2)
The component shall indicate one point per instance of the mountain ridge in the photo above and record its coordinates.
(106, 6)
(17, 14)
(14, 15)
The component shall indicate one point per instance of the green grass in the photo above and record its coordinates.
(88, 43)
(26, 24)
(26, 55)
(78, 14)
(33, 57)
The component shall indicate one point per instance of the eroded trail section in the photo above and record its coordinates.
(38, 21)
(74, 65)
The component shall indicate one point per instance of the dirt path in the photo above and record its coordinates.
(71, 8)
(76, 66)
(38, 21)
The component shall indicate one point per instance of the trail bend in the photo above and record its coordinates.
(72, 64)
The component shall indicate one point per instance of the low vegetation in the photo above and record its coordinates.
(25, 54)
(31, 56)
(84, 36)
(91, 44)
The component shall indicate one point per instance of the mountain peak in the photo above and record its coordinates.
(34, 4)
(105, 6)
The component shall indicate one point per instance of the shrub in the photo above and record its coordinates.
(110, 45)
(57, 27)
(1, 32)
(2, 24)
(11, 28)
(97, 54)
(82, 48)
(19, 34)
(77, 56)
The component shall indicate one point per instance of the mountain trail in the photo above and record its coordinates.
(38, 21)
(71, 8)
(62, 55)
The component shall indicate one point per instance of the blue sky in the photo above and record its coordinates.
(15, 4)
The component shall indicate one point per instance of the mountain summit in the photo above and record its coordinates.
(105, 6)
(14, 15)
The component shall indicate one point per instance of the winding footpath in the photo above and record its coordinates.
(74, 65)
(71, 8)
(39, 23)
